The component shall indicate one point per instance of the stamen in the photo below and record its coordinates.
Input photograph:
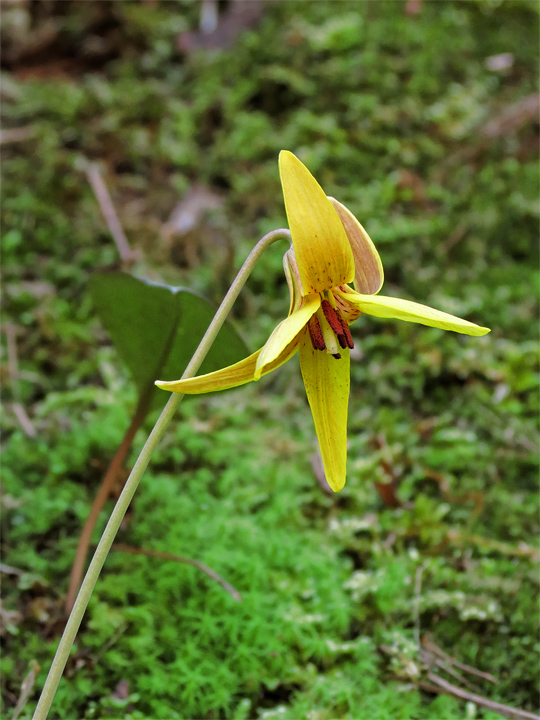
(347, 333)
(337, 356)
(315, 333)
(331, 315)
(338, 324)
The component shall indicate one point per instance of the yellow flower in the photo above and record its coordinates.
(330, 250)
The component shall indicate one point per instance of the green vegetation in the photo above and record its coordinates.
(400, 117)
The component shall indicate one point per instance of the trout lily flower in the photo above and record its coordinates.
(330, 251)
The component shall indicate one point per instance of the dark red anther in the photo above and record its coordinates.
(337, 356)
(347, 333)
(338, 325)
(315, 333)
(333, 318)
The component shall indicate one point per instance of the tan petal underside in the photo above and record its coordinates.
(368, 268)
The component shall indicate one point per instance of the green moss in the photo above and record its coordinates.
(388, 111)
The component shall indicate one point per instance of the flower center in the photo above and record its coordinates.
(327, 329)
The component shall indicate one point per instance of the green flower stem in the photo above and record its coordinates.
(117, 515)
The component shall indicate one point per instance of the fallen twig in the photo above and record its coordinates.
(15, 135)
(507, 122)
(11, 342)
(430, 660)
(512, 117)
(8, 570)
(438, 685)
(414, 669)
(13, 373)
(431, 647)
(24, 420)
(26, 689)
(187, 561)
(109, 213)
(237, 18)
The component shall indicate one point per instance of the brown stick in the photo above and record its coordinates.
(436, 650)
(13, 366)
(437, 684)
(430, 660)
(15, 135)
(100, 500)
(24, 420)
(188, 561)
(109, 213)
(26, 689)
(13, 373)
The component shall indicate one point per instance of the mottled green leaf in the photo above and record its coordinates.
(157, 328)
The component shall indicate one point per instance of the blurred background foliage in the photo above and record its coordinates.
(423, 119)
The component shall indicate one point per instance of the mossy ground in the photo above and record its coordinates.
(391, 111)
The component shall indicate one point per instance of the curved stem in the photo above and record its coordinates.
(117, 515)
(101, 498)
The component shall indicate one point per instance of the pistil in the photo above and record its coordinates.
(330, 339)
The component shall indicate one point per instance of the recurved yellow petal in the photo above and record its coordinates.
(368, 268)
(389, 307)
(292, 276)
(327, 382)
(238, 374)
(286, 332)
(322, 249)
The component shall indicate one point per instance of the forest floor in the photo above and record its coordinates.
(423, 119)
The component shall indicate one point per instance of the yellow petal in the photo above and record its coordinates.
(238, 374)
(327, 382)
(322, 250)
(368, 268)
(389, 307)
(286, 332)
